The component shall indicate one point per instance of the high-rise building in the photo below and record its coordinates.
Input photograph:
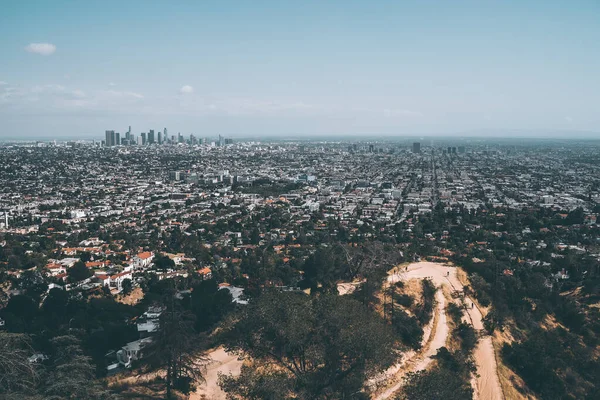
(416, 147)
(110, 139)
(165, 134)
(143, 138)
(117, 139)
(180, 138)
(159, 138)
(151, 136)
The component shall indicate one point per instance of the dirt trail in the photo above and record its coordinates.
(486, 385)
(221, 362)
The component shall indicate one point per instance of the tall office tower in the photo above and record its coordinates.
(180, 138)
(371, 148)
(221, 141)
(143, 138)
(117, 139)
(110, 138)
(165, 134)
(151, 136)
(160, 138)
(140, 140)
(416, 147)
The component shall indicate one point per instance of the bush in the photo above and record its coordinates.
(405, 300)
(407, 328)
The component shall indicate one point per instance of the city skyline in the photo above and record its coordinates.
(274, 70)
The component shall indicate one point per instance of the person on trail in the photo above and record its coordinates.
(472, 305)
(448, 273)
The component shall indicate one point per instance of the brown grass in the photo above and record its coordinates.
(512, 385)
(132, 298)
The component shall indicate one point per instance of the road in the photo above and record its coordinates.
(486, 384)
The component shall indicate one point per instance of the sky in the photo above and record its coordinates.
(299, 68)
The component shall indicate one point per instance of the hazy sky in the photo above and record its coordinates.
(254, 67)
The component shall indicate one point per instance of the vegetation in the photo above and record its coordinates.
(323, 347)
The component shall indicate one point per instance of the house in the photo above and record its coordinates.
(133, 351)
(103, 277)
(237, 293)
(149, 322)
(56, 269)
(143, 260)
(148, 327)
(116, 280)
(205, 273)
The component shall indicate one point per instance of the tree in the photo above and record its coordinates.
(163, 263)
(176, 346)
(85, 256)
(257, 385)
(449, 379)
(18, 377)
(78, 272)
(20, 313)
(327, 345)
(210, 304)
(33, 283)
(127, 286)
(72, 374)
(435, 384)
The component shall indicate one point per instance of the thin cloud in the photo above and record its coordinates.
(186, 89)
(44, 49)
(125, 94)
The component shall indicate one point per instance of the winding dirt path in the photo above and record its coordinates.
(223, 362)
(486, 384)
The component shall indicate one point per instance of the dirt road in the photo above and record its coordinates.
(221, 362)
(486, 385)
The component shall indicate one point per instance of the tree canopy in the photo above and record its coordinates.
(326, 345)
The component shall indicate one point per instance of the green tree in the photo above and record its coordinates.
(177, 347)
(210, 304)
(78, 272)
(72, 374)
(327, 345)
(162, 262)
(18, 377)
(126, 286)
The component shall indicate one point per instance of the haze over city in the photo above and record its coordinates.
(301, 69)
(308, 200)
